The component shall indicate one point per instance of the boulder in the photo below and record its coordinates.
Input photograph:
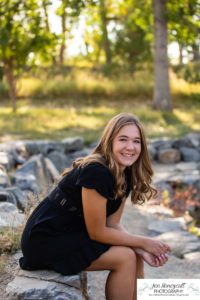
(4, 179)
(59, 159)
(9, 216)
(47, 285)
(169, 155)
(20, 197)
(193, 138)
(181, 242)
(152, 152)
(33, 175)
(189, 154)
(167, 225)
(7, 160)
(73, 144)
(6, 196)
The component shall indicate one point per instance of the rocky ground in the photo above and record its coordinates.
(141, 220)
(137, 220)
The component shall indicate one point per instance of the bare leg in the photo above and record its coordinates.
(121, 261)
(139, 272)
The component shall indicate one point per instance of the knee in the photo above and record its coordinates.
(128, 256)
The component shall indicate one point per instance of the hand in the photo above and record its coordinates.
(157, 248)
(152, 260)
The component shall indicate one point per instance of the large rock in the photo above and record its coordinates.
(33, 175)
(193, 138)
(190, 154)
(4, 179)
(73, 144)
(59, 159)
(9, 216)
(168, 156)
(168, 224)
(20, 197)
(6, 196)
(6, 160)
(181, 242)
(38, 146)
(47, 285)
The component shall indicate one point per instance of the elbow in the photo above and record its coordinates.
(95, 235)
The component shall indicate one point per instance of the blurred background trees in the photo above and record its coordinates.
(107, 36)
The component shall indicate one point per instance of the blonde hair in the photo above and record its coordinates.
(141, 170)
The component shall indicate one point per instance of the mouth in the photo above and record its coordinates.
(127, 154)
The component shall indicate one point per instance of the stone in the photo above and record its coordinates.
(189, 154)
(4, 179)
(11, 219)
(168, 156)
(71, 157)
(27, 182)
(6, 160)
(179, 143)
(59, 159)
(194, 139)
(6, 207)
(167, 224)
(20, 196)
(152, 152)
(6, 196)
(33, 175)
(181, 242)
(51, 169)
(194, 256)
(42, 147)
(73, 144)
(161, 143)
(49, 285)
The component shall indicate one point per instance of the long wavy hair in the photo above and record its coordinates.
(141, 171)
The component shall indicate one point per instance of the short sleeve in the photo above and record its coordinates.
(98, 177)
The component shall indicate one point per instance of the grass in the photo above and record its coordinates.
(80, 102)
(52, 122)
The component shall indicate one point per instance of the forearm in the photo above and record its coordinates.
(118, 236)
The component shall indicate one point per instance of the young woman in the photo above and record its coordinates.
(77, 226)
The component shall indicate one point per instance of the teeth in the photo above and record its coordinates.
(129, 155)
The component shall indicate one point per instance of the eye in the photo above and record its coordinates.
(122, 140)
(137, 141)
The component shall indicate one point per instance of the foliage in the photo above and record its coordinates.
(190, 72)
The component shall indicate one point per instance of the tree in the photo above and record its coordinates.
(69, 10)
(162, 96)
(184, 26)
(21, 33)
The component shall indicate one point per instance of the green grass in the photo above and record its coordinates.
(81, 102)
(53, 122)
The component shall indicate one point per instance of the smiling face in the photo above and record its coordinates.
(126, 146)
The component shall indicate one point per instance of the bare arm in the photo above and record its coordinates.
(94, 209)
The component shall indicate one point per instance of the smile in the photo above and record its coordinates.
(127, 154)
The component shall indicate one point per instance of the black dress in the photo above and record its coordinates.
(55, 236)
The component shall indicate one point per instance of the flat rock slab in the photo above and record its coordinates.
(181, 242)
(167, 224)
(36, 285)
(24, 288)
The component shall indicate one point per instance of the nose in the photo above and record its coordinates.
(130, 145)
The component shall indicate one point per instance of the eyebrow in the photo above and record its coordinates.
(125, 136)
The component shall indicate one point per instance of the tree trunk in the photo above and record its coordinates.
(162, 96)
(46, 17)
(8, 69)
(106, 42)
(180, 45)
(196, 52)
(46, 21)
(63, 44)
